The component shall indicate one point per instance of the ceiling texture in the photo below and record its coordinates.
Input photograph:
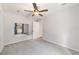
(20, 7)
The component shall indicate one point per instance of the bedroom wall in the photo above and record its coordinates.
(14, 13)
(62, 27)
(10, 19)
(1, 28)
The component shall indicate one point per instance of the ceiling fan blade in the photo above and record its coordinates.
(35, 6)
(45, 10)
(40, 14)
(28, 10)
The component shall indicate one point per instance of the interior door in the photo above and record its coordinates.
(37, 30)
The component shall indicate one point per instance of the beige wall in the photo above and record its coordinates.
(11, 16)
(1, 28)
(62, 27)
(10, 19)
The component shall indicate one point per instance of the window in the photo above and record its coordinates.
(21, 28)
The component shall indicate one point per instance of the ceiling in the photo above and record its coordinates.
(52, 7)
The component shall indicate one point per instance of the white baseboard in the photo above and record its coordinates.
(38, 37)
(62, 45)
(16, 41)
(1, 49)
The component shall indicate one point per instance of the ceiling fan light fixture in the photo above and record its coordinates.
(36, 13)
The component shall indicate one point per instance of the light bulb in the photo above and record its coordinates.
(36, 13)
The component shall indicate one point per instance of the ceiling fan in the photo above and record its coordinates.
(36, 11)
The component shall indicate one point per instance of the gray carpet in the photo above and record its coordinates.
(34, 47)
